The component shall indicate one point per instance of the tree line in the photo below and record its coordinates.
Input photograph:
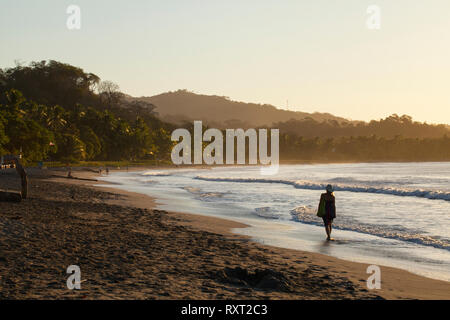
(389, 127)
(353, 148)
(54, 111)
(364, 148)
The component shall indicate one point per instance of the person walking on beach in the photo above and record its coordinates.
(327, 209)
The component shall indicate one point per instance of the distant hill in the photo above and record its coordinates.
(217, 111)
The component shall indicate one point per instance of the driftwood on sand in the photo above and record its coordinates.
(12, 195)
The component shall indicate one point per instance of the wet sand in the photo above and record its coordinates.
(126, 249)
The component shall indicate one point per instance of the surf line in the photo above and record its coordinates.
(213, 152)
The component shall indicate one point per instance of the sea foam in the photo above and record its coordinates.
(300, 184)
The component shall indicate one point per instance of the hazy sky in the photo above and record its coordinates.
(318, 54)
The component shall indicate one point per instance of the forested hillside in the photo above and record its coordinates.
(51, 110)
(54, 111)
(221, 112)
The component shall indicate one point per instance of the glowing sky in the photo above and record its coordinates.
(318, 54)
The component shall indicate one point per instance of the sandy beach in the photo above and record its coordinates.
(127, 249)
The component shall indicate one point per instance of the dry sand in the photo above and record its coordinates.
(128, 250)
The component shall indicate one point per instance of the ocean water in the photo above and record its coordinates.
(392, 214)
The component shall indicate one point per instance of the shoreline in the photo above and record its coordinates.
(155, 254)
(88, 167)
(405, 282)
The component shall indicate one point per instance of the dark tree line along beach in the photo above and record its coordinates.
(51, 111)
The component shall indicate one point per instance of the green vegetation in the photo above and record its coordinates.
(55, 112)
(362, 148)
(122, 164)
(390, 127)
(50, 111)
(392, 139)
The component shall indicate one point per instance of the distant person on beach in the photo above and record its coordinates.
(69, 172)
(327, 209)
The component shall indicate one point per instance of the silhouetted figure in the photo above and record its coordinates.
(327, 201)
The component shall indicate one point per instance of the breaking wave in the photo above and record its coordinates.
(307, 214)
(266, 213)
(203, 195)
(404, 192)
(156, 174)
